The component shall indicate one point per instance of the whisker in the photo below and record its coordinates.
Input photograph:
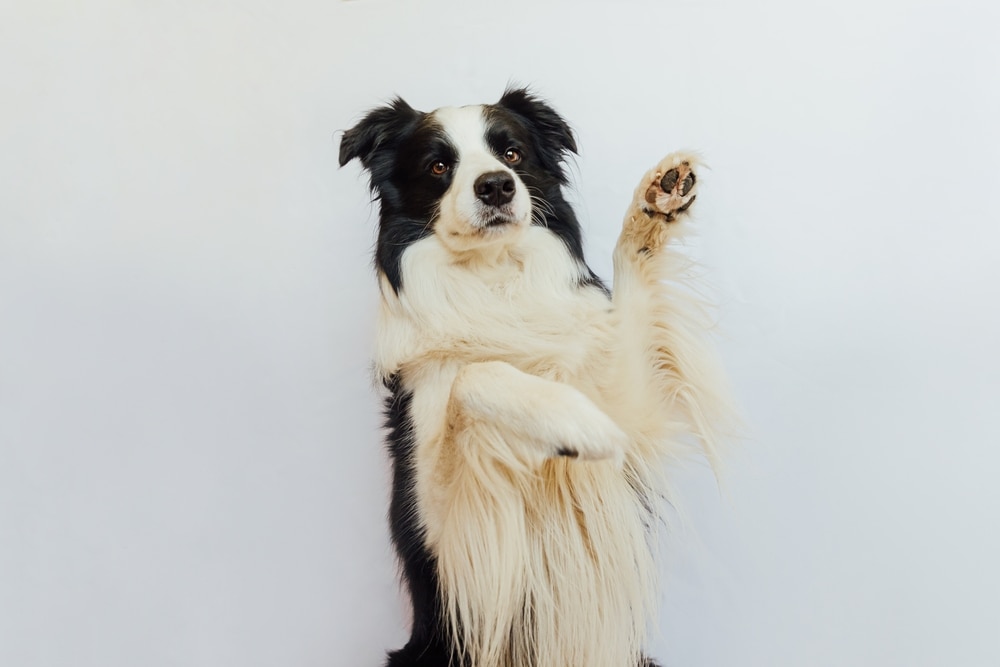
(541, 209)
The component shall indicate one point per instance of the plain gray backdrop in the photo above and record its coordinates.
(191, 469)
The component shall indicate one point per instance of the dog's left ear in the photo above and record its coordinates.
(379, 129)
(546, 123)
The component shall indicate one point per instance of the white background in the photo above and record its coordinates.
(191, 470)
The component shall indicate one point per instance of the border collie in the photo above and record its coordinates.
(530, 409)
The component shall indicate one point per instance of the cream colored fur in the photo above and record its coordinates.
(546, 558)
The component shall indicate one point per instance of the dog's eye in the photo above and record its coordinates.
(439, 168)
(512, 155)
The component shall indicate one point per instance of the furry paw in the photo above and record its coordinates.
(584, 432)
(671, 187)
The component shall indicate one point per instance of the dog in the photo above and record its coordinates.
(530, 409)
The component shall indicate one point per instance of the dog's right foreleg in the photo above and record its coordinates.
(527, 419)
(479, 480)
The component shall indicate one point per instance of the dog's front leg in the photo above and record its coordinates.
(479, 481)
(660, 204)
(487, 428)
(661, 363)
(500, 412)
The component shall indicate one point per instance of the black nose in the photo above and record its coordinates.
(495, 188)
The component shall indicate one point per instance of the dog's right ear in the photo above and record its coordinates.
(380, 128)
(547, 123)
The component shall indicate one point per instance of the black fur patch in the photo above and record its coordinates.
(428, 643)
(397, 144)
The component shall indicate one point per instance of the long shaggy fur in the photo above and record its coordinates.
(530, 411)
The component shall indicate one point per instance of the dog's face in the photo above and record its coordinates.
(473, 176)
(484, 199)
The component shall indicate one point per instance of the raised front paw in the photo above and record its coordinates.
(671, 187)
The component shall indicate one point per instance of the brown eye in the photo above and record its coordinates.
(512, 155)
(438, 168)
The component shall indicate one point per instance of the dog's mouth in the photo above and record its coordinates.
(495, 221)
(498, 221)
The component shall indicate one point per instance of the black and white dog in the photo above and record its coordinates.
(530, 409)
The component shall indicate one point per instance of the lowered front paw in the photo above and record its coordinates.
(584, 432)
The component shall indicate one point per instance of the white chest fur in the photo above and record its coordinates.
(526, 308)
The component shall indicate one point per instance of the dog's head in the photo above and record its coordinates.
(474, 176)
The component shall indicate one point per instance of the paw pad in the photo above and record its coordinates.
(669, 181)
(672, 189)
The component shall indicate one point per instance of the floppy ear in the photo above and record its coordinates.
(379, 128)
(547, 124)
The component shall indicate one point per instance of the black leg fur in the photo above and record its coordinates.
(419, 655)
(427, 646)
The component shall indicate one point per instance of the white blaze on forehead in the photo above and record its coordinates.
(465, 127)
(465, 221)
